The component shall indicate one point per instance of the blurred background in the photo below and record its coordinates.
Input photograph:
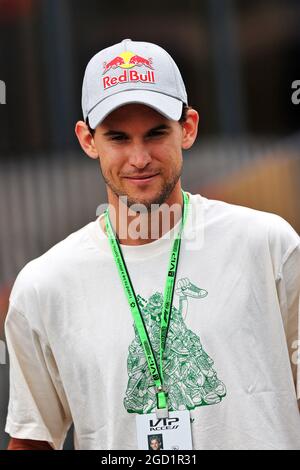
(239, 60)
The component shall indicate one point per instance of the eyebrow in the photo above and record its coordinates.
(161, 127)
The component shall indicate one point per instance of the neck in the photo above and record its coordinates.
(134, 228)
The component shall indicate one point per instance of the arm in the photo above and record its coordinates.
(288, 288)
(28, 444)
(38, 410)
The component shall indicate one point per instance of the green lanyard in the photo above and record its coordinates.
(155, 371)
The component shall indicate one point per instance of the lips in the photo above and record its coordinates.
(141, 177)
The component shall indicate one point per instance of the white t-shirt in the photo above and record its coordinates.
(231, 353)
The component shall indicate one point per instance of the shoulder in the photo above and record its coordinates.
(253, 231)
(49, 271)
(256, 223)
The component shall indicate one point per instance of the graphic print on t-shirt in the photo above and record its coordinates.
(189, 376)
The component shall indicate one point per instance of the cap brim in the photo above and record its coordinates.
(166, 105)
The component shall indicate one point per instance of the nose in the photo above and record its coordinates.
(139, 155)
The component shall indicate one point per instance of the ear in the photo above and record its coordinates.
(86, 139)
(190, 128)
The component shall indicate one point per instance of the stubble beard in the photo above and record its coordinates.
(145, 205)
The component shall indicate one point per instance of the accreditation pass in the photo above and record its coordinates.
(172, 433)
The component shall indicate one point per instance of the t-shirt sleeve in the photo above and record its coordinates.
(37, 407)
(288, 289)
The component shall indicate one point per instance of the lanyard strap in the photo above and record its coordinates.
(155, 371)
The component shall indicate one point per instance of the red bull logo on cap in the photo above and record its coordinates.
(127, 61)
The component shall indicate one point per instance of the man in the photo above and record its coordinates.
(154, 443)
(167, 304)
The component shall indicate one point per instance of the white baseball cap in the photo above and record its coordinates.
(132, 72)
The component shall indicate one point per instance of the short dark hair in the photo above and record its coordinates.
(181, 120)
(183, 116)
(92, 131)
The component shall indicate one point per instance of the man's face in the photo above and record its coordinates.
(154, 444)
(136, 141)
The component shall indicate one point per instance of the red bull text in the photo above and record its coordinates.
(128, 76)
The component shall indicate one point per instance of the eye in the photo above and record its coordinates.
(118, 137)
(158, 133)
